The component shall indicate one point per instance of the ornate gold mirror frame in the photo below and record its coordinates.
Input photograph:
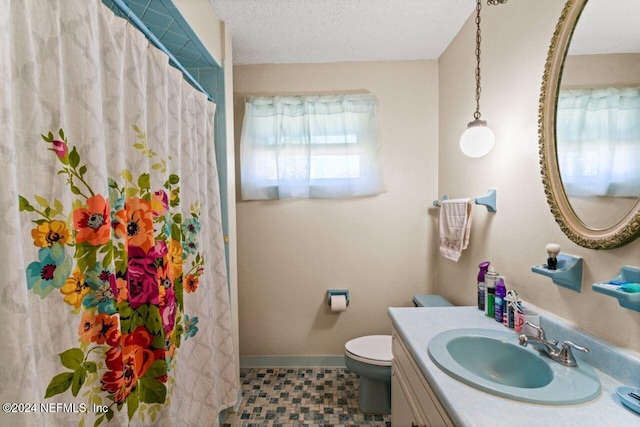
(628, 228)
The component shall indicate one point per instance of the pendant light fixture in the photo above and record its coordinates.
(478, 139)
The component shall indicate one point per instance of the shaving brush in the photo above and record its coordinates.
(553, 249)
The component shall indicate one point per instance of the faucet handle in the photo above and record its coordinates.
(567, 344)
(566, 356)
(541, 334)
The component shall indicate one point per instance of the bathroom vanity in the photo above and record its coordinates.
(413, 402)
(423, 394)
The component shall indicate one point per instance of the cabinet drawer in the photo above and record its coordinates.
(425, 396)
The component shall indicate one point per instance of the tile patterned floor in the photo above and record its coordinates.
(296, 397)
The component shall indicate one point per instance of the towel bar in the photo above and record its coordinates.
(488, 200)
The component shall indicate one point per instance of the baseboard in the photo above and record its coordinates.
(291, 361)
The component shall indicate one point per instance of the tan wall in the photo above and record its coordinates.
(380, 248)
(515, 40)
(619, 69)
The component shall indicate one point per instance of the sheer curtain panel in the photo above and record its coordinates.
(598, 138)
(310, 147)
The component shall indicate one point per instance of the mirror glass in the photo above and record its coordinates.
(598, 113)
(589, 122)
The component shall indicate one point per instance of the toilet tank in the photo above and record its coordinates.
(430, 301)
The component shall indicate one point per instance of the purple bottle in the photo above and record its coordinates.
(499, 305)
(481, 284)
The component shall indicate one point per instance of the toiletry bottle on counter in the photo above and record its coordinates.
(481, 285)
(501, 292)
(490, 279)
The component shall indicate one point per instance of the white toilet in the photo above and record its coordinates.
(370, 357)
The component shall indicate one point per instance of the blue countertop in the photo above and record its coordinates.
(468, 406)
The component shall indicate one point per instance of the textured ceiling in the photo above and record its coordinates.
(303, 31)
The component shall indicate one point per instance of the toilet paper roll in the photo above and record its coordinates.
(338, 303)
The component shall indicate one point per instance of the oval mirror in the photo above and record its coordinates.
(589, 122)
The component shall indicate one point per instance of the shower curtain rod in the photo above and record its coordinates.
(172, 59)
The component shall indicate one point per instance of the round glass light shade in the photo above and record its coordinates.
(478, 139)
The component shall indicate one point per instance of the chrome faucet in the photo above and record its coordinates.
(543, 346)
(562, 355)
(540, 342)
(541, 333)
(565, 357)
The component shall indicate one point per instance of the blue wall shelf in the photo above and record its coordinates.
(625, 299)
(567, 274)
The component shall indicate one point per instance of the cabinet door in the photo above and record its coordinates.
(401, 411)
(425, 406)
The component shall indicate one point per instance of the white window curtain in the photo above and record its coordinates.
(598, 141)
(310, 147)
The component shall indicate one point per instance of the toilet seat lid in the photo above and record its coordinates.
(372, 349)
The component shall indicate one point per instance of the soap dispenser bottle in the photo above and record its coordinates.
(490, 279)
(481, 284)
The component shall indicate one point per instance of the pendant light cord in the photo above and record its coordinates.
(476, 115)
(478, 139)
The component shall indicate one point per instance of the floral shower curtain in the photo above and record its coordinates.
(114, 305)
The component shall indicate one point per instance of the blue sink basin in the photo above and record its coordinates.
(493, 361)
(500, 362)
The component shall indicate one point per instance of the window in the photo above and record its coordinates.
(598, 141)
(310, 147)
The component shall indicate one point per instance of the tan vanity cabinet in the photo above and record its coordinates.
(413, 402)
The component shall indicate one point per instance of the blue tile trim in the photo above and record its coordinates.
(158, 19)
(176, 39)
(152, 37)
(180, 22)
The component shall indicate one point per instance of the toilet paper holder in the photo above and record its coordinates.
(336, 292)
